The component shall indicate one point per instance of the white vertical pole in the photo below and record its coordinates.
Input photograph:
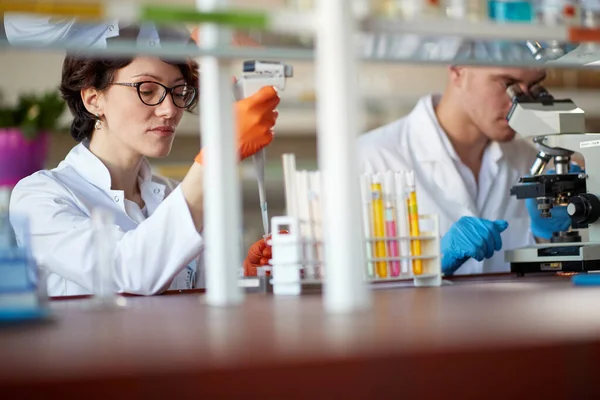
(222, 207)
(337, 108)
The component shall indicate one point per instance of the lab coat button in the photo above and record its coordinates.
(117, 199)
(156, 191)
(111, 28)
(152, 43)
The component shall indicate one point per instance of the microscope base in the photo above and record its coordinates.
(563, 257)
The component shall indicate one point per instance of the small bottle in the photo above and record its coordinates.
(511, 10)
(556, 12)
(590, 13)
(474, 10)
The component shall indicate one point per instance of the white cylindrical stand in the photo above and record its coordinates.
(222, 207)
(337, 107)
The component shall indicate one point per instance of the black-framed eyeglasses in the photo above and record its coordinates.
(153, 93)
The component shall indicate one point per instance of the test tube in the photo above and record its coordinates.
(402, 218)
(367, 211)
(413, 214)
(314, 180)
(378, 226)
(289, 176)
(390, 223)
(104, 293)
(305, 223)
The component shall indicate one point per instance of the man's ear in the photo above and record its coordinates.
(456, 75)
(92, 100)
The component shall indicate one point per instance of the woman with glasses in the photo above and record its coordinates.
(125, 110)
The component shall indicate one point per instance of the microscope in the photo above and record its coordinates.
(557, 128)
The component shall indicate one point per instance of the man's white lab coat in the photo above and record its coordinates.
(445, 186)
(152, 253)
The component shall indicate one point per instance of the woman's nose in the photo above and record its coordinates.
(167, 108)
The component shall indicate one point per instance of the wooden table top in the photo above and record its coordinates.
(461, 339)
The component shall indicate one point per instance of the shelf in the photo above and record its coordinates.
(169, 50)
(482, 30)
(408, 49)
(430, 41)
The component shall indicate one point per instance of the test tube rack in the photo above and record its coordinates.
(297, 262)
(299, 253)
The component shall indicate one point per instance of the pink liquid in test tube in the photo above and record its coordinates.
(392, 245)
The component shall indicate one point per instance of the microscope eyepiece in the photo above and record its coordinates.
(539, 92)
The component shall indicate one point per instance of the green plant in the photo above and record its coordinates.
(34, 114)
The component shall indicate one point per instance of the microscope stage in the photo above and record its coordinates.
(545, 257)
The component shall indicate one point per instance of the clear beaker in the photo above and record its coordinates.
(105, 295)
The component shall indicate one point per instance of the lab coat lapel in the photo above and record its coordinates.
(153, 193)
(436, 167)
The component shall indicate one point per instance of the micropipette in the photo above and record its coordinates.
(256, 75)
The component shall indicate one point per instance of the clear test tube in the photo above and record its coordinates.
(104, 241)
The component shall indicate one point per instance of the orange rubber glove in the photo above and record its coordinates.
(259, 255)
(255, 116)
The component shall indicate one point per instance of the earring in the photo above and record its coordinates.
(98, 124)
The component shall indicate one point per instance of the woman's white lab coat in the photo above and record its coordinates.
(417, 142)
(151, 254)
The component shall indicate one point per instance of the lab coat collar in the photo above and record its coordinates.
(89, 166)
(94, 171)
(434, 159)
(424, 122)
(495, 152)
(432, 138)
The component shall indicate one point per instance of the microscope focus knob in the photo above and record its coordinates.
(584, 208)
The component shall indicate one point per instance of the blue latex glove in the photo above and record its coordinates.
(543, 227)
(470, 237)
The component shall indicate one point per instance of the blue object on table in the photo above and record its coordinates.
(511, 10)
(19, 277)
(23, 315)
(586, 279)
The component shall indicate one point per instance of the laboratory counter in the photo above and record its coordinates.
(485, 337)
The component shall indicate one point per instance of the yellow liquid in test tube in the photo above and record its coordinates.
(379, 229)
(413, 218)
